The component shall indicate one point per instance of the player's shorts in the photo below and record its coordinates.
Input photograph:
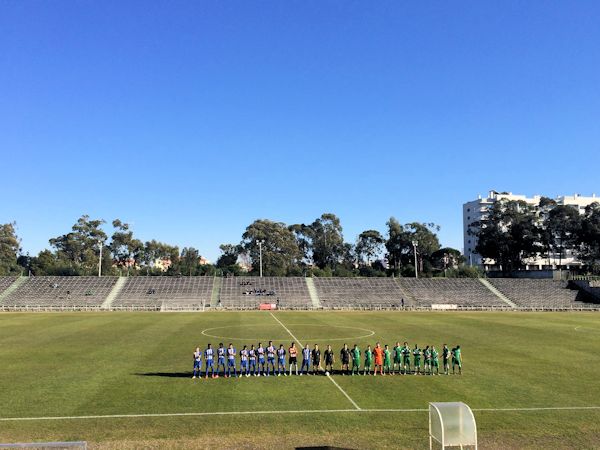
(209, 363)
(253, 362)
(387, 363)
(293, 360)
(316, 362)
(435, 363)
(456, 362)
(282, 361)
(271, 360)
(261, 360)
(368, 363)
(407, 360)
(197, 364)
(417, 363)
(231, 362)
(345, 361)
(397, 360)
(329, 362)
(244, 364)
(222, 361)
(356, 362)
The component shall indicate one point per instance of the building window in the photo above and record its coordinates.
(469, 241)
(468, 217)
(468, 209)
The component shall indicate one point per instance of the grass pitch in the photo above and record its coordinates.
(70, 366)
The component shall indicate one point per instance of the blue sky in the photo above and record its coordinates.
(191, 119)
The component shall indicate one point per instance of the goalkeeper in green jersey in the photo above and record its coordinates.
(456, 359)
(355, 360)
(397, 358)
(368, 361)
(435, 362)
(417, 359)
(406, 359)
(387, 360)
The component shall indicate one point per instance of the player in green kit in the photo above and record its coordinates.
(355, 359)
(456, 359)
(387, 360)
(435, 362)
(406, 359)
(417, 359)
(397, 358)
(368, 361)
(446, 358)
(427, 360)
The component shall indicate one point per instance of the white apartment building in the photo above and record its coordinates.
(476, 210)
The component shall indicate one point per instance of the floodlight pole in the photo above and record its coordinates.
(260, 243)
(415, 244)
(100, 243)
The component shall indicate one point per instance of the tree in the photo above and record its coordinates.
(424, 234)
(9, 249)
(229, 255)
(589, 237)
(369, 245)
(304, 236)
(447, 258)
(126, 251)
(155, 251)
(396, 244)
(327, 241)
(562, 229)
(279, 248)
(80, 248)
(189, 261)
(510, 234)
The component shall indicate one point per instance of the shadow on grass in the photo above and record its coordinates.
(165, 374)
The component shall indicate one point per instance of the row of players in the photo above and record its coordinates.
(272, 361)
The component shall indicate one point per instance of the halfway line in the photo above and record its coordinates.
(301, 347)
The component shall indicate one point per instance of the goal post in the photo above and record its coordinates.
(452, 424)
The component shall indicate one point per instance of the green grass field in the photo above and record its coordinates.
(67, 365)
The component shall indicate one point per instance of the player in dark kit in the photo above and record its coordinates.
(345, 359)
(446, 358)
(329, 359)
(221, 360)
(293, 353)
(316, 359)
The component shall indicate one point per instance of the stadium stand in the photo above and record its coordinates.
(541, 294)
(463, 292)
(60, 292)
(250, 292)
(166, 293)
(5, 282)
(360, 293)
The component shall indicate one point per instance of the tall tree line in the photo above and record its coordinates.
(514, 231)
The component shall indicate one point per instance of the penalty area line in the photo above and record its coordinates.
(301, 347)
(299, 411)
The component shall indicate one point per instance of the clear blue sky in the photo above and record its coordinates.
(190, 119)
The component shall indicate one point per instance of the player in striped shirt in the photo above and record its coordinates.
(231, 361)
(281, 360)
(244, 362)
(270, 358)
(406, 359)
(260, 351)
(209, 355)
(221, 360)
(252, 359)
(427, 359)
(197, 362)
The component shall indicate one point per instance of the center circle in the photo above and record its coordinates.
(262, 332)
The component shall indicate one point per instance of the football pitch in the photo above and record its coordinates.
(123, 380)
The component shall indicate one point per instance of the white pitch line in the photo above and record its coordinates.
(301, 346)
(300, 411)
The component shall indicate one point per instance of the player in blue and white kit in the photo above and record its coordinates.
(252, 358)
(209, 355)
(281, 361)
(221, 360)
(197, 362)
(261, 359)
(244, 362)
(305, 360)
(270, 358)
(231, 361)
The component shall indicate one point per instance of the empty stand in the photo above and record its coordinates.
(464, 292)
(360, 293)
(540, 294)
(5, 282)
(165, 293)
(76, 292)
(250, 292)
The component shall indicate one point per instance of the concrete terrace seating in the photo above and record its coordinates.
(450, 291)
(154, 292)
(61, 292)
(529, 293)
(250, 292)
(5, 282)
(359, 292)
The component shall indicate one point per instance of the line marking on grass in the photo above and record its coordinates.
(301, 346)
(299, 411)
